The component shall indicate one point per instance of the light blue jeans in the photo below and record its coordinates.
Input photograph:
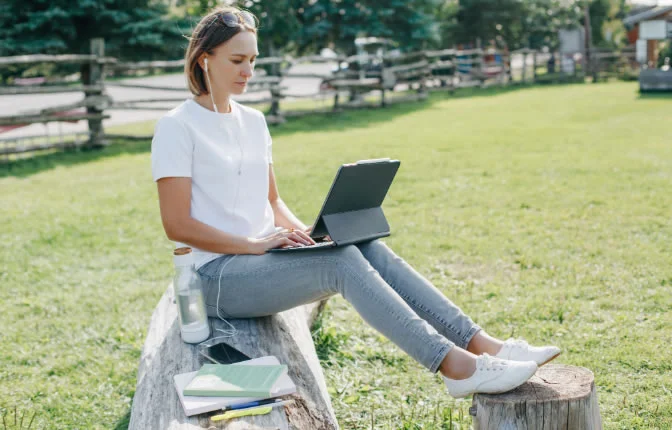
(385, 290)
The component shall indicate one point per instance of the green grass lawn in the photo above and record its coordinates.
(544, 212)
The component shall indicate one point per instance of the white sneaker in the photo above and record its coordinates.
(492, 375)
(519, 350)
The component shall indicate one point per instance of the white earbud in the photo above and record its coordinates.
(207, 76)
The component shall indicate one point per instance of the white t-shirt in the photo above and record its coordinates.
(227, 157)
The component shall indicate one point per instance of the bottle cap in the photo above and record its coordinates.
(183, 257)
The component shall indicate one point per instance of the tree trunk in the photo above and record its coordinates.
(285, 335)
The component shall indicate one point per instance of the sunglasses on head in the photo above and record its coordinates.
(236, 19)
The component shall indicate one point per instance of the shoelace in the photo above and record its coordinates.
(518, 343)
(487, 362)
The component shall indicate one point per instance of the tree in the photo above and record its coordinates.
(488, 20)
(412, 24)
(279, 24)
(304, 26)
(446, 17)
(512, 23)
(544, 18)
(132, 29)
(599, 14)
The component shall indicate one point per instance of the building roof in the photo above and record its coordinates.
(647, 15)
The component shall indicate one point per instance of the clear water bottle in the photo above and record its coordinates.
(189, 298)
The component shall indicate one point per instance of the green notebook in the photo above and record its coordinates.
(234, 380)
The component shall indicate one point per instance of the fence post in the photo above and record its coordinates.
(383, 74)
(534, 67)
(275, 90)
(506, 61)
(422, 89)
(453, 75)
(94, 77)
(481, 66)
(595, 66)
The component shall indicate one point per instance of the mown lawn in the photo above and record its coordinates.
(544, 212)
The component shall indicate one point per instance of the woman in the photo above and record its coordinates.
(211, 159)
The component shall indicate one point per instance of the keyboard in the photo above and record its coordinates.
(319, 245)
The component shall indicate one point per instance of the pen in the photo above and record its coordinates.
(261, 410)
(255, 403)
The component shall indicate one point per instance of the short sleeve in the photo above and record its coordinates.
(269, 143)
(172, 150)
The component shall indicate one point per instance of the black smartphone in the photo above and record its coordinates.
(221, 353)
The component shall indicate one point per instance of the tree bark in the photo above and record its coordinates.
(285, 335)
(556, 397)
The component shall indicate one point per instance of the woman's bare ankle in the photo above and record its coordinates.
(482, 342)
(458, 364)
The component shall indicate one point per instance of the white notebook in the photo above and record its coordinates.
(197, 405)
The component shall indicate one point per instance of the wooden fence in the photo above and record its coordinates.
(356, 82)
(91, 108)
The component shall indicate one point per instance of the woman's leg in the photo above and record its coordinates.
(261, 285)
(426, 300)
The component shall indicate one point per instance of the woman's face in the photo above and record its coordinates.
(232, 64)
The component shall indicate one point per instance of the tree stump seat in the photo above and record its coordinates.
(285, 335)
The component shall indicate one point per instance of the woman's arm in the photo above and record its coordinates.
(283, 215)
(175, 205)
(174, 202)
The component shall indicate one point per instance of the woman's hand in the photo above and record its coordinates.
(283, 238)
(309, 230)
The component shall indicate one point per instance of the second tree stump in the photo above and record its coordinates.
(556, 397)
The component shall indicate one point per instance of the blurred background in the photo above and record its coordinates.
(311, 50)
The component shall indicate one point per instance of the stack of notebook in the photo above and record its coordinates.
(218, 386)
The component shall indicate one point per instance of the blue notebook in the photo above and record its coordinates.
(235, 380)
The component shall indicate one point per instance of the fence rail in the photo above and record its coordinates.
(353, 86)
(55, 59)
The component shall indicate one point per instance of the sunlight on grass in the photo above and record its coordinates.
(543, 212)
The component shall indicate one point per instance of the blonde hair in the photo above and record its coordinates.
(210, 32)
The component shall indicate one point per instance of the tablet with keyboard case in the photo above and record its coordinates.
(351, 212)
